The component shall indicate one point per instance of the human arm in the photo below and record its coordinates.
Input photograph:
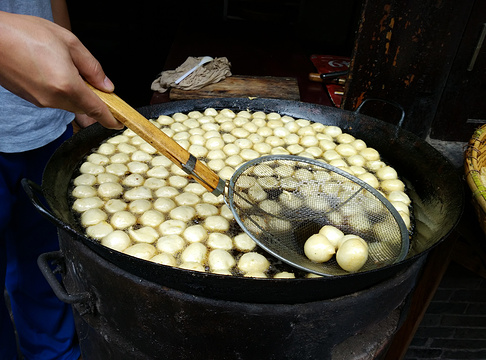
(45, 64)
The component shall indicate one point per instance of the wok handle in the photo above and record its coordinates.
(393, 103)
(57, 258)
(32, 190)
(135, 121)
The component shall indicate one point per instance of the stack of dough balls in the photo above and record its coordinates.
(136, 201)
(351, 250)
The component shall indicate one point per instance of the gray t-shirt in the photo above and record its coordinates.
(24, 126)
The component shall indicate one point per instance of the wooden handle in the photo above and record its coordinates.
(136, 122)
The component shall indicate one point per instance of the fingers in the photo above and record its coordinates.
(90, 69)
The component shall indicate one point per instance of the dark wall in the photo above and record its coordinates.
(130, 39)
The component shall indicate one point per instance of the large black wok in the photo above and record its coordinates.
(434, 186)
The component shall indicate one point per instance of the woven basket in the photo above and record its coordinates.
(475, 159)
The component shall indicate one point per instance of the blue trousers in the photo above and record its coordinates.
(44, 324)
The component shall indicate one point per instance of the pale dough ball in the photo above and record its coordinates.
(332, 233)
(195, 252)
(120, 158)
(295, 149)
(231, 149)
(154, 183)
(271, 206)
(151, 218)
(356, 160)
(164, 205)
(198, 151)
(274, 141)
(198, 140)
(392, 185)
(140, 206)
(216, 165)
(318, 248)
(309, 140)
(216, 223)
(345, 138)
(226, 212)
(110, 190)
(244, 143)
(212, 199)
(279, 150)
(177, 181)
(346, 150)
(245, 182)
(85, 179)
(104, 177)
(122, 219)
(161, 160)
(249, 154)
(117, 169)
(306, 131)
(167, 192)
(172, 227)
(330, 155)
(84, 204)
(195, 233)
(145, 234)
(170, 244)
(117, 240)
(184, 213)
(93, 217)
(257, 194)
(84, 191)
(370, 154)
(386, 173)
(164, 259)
(359, 144)
(253, 262)
(165, 120)
(118, 139)
(399, 196)
(226, 173)
(98, 159)
(137, 167)
(107, 149)
(138, 193)
(188, 199)
(114, 205)
(401, 207)
(215, 143)
(281, 132)
(216, 155)
(370, 179)
(219, 241)
(133, 180)
(89, 168)
(220, 259)
(141, 156)
(205, 210)
(234, 161)
(99, 230)
(327, 145)
(268, 182)
(141, 250)
(264, 131)
(244, 242)
(352, 254)
(126, 148)
(290, 200)
(195, 188)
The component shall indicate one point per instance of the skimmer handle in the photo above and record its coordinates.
(136, 122)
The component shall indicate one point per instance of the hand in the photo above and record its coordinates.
(45, 64)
